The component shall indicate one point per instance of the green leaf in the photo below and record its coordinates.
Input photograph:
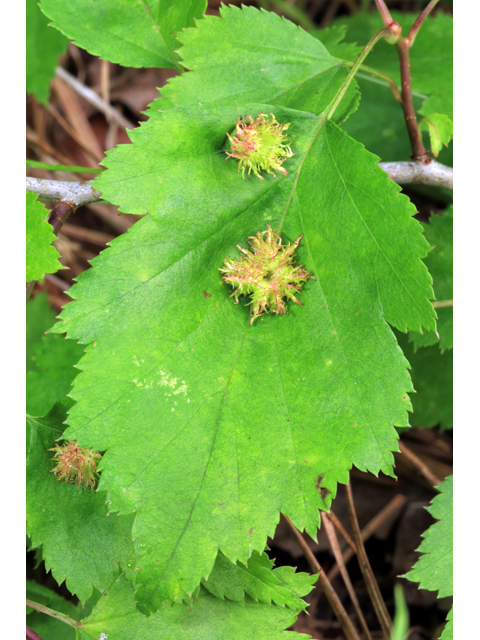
(44, 45)
(434, 569)
(447, 633)
(40, 317)
(282, 585)
(212, 426)
(42, 257)
(55, 359)
(439, 233)
(204, 618)
(432, 378)
(133, 33)
(333, 39)
(440, 130)
(80, 543)
(249, 56)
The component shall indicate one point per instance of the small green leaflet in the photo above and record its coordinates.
(213, 426)
(439, 233)
(282, 585)
(447, 633)
(133, 33)
(80, 543)
(434, 569)
(440, 130)
(432, 378)
(39, 318)
(44, 45)
(204, 618)
(42, 257)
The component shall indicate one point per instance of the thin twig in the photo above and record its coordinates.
(384, 12)
(342, 530)
(369, 577)
(394, 505)
(330, 593)
(333, 540)
(439, 304)
(94, 99)
(433, 174)
(31, 635)
(415, 28)
(426, 472)
(79, 193)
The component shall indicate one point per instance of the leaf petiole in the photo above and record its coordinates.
(62, 617)
(34, 164)
(351, 74)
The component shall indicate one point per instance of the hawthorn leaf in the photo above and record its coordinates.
(439, 233)
(248, 55)
(44, 45)
(432, 378)
(333, 38)
(133, 33)
(259, 581)
(434, 569)
(204, 618)
(80, 543)
(440, 131)
(212, 426)
(42, 257)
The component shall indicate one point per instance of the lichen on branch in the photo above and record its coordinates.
(268, 274)
(260, 145)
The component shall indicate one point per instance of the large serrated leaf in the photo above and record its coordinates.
(44, 45)
(252, 56)
(212, 425)
(439, 233)
(80, 543)
(204, 618)
(133, 33)
(42, 257)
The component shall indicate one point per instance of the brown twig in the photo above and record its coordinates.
(342, 530)
(427, 473)
(369, 577)
(330, 593)
(31, 635)
(384, 12)
(394, 505)
(412, 34)
(333, 540)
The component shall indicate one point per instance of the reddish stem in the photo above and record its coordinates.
(384, 12)
(415, 28)
(419, 152)
(31, 635)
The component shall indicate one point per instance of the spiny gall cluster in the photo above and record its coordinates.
(268, 274)
(260, 145)
(76, 465)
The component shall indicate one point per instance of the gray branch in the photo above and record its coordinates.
(77, 192)
(433, 174)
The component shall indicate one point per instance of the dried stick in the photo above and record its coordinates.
(342, 530)
(338, 609)
(369, 577)
(383, 515)
(333, 540)
(426, 472)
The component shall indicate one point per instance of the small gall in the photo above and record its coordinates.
(76, 465)
(267, 274)
(260, 145)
